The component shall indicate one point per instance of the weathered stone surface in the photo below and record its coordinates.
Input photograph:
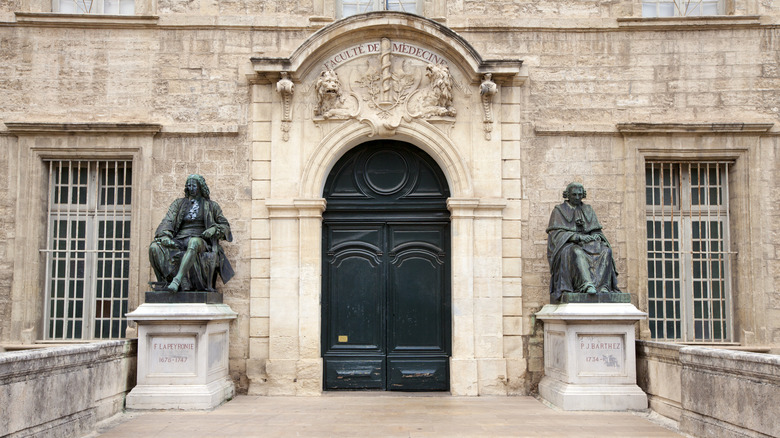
(95, 378)
(710, 391)
(729, 393)
(658, 374)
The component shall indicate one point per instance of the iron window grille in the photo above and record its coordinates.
(688, 251)
(88, 249)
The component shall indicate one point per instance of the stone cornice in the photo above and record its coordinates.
(86, 20)
(636, 128)
(36, 128)
(662, 128)
(678, 23)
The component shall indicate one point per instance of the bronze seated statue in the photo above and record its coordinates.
(185, 254)
(579, 254)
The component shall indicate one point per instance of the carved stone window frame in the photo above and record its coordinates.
(736, 143)
(37, 142)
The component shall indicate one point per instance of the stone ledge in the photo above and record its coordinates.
(760, 366)
(653, 128)
(678, 23)
(26, 365)
(82, 128)
(86, 20)
(182, 312)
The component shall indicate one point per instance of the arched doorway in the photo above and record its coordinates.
(386, 271)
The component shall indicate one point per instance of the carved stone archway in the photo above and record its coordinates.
(378, 75)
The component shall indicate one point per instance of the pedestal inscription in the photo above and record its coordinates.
(172, 355)
(601, 355)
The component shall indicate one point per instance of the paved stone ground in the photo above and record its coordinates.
(380, 415)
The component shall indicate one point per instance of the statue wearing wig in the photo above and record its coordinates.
(185, 253)
(579, 254)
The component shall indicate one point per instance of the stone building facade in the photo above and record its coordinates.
(507, 101)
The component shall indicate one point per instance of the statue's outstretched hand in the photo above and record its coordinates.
(209, 233)
(166, 241)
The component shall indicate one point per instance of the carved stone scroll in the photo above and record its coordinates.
(487, 89)
(286, 88)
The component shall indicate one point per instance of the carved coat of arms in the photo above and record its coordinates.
(383, 91)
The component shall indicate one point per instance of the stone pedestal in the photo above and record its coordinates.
(182, 356)
(590, 358)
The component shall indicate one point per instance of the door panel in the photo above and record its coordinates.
(356, 291)
(417, 285)
(418, 374)
(355, 373)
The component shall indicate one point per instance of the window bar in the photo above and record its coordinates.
(710, 320)
(115, 240)
(100, 246)
(109, 294)
(50, 239)
(664, 274)
(68, 273)
(651, 256)
(79, 254)
(124, 285)
(662, 194)
(675, 191)
(678, 279)
(726, 310)
(693, 255)
(651, 249)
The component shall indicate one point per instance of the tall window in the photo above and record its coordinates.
(352, 7)
(104, 7)
(688, 256)
(88, 249)
(681, 8)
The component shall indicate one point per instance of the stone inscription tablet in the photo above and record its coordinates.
(172, 355)
(601, 354)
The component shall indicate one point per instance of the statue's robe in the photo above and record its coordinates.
(165, 260)
(573, 266)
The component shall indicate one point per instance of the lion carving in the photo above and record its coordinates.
(437, 100)
(330, 98)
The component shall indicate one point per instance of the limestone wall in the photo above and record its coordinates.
(64, 391)
(190, 77)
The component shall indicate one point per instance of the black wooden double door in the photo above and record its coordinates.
(386, 271)
(388, 310)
